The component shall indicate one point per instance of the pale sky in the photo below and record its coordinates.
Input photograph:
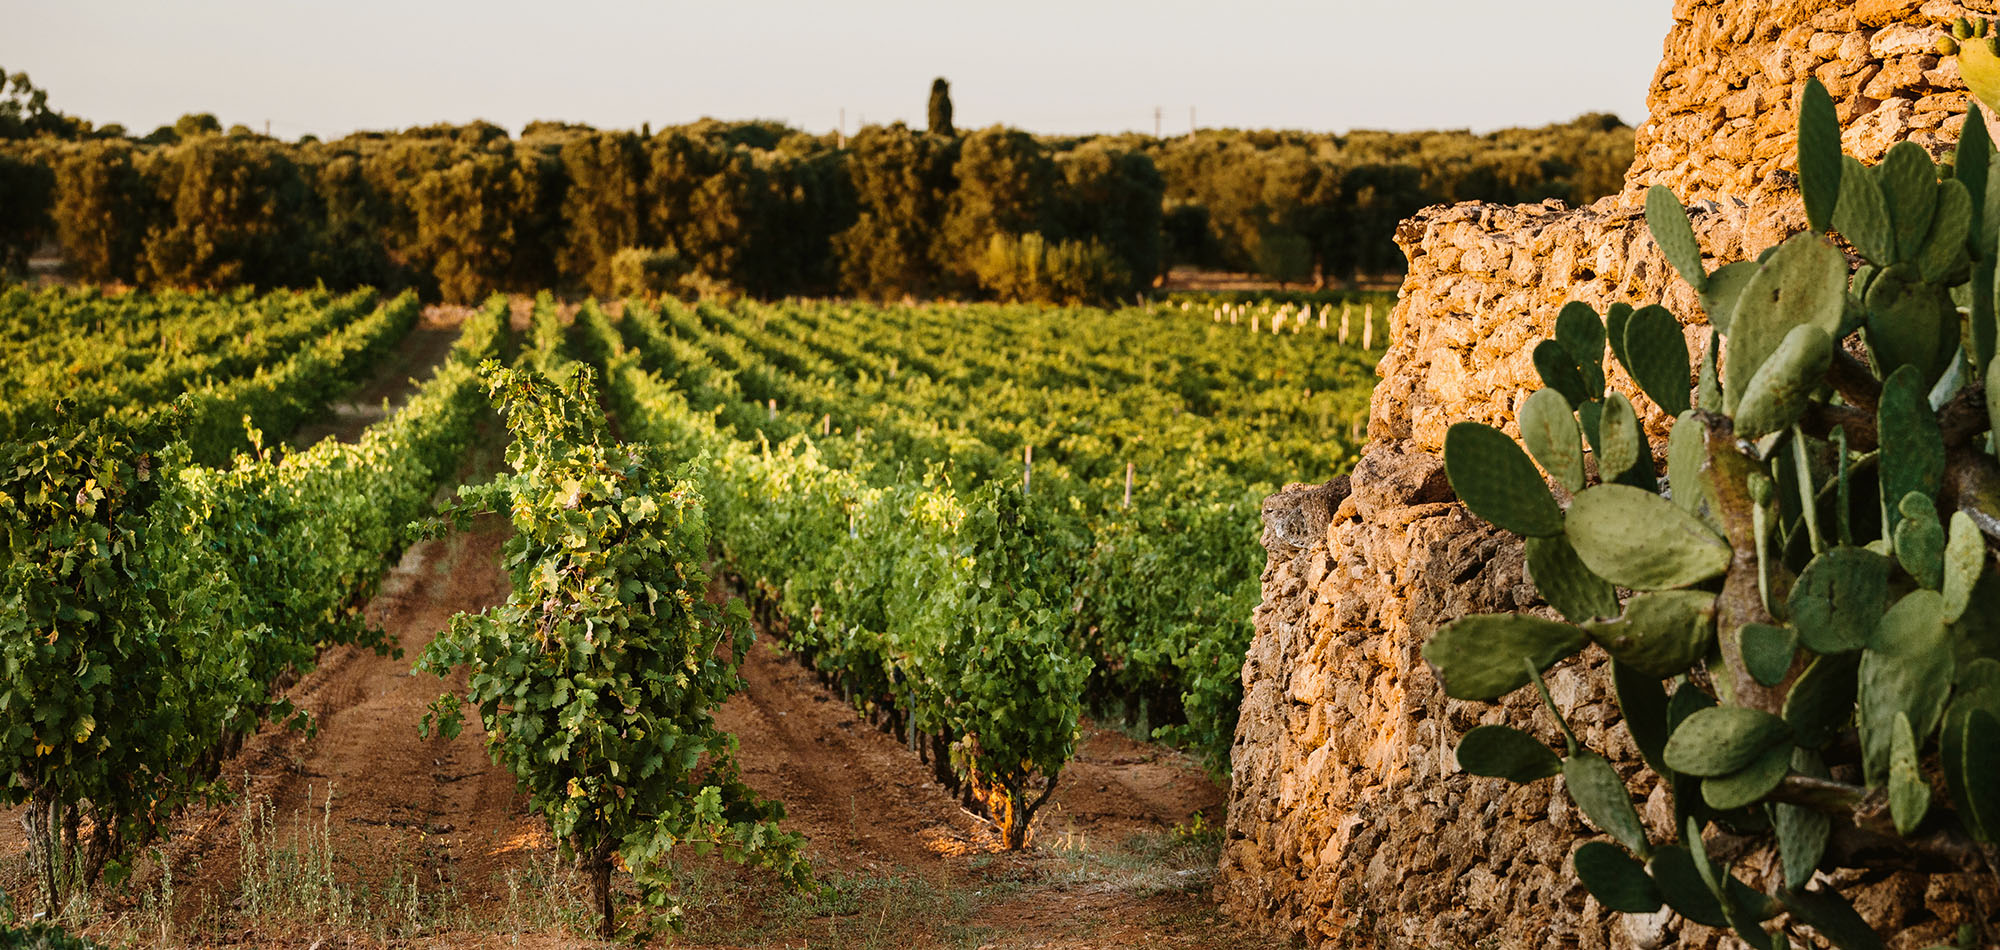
(1055, 66)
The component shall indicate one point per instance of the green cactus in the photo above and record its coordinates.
(1661, 633)
(1805, 282)
(1723, 739)
(1656, 356)
(1617, 881)
(1906, 669)
(1486, 656)
(1549, 430)
(1862, 214)
(1781, 390)
(1635, 538)
(1909, 183)
(1620, 442)
(1668, 222)
(1768, 651)
(1838, 598)
(1802, 832)
(1819, 157)
(1817, 584)
(1497, 481)
(1909, 794)
(1566, 583)
(1979, 63)
(1920, 542)
(1506, 752)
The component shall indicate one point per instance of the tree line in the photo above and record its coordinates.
(754, 208)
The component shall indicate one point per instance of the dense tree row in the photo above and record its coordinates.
(750, 208)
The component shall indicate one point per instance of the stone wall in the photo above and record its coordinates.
(1349, 824)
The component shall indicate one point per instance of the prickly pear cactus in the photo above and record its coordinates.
(1803, 614)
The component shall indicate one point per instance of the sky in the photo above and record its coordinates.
(1048, 66)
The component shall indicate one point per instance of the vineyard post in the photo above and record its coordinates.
(772, 406)
(1027, 467)
(1254, 329)
(1368, 327)
(826, 424)
(1322, 315)
(1128, 484)
(1346, 311)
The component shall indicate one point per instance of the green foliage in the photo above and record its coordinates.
(598, 680)
(157, 601)
(1029, 268)
(1811, 579)
(27, 191)
(876, 399)
(754, 207)
(231, 212)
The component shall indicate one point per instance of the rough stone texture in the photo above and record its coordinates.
(1349, 824)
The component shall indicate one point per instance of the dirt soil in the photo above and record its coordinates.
(362, 833)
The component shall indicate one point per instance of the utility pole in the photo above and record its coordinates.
(267, 128)
(1156, 121)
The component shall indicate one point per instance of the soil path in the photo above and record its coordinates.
(365, 834)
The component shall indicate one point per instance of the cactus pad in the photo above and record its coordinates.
(1497, 481)
(1908, 181)
(1620, 441)
(1906, 669)
(1559, 372)
(1681, 886)
(1506, 752)
(1783, 387)
(1804, 282)
(1601, 795)
(1481, 656)
(1661, 633)
(1981, 69)
(1725, 288)
(1634, 538)
(1862, 214)
(1839, 597)
(1909, 794)
(1749, 784)
(1566, 584)
(1723, 739)
(1618, 882)
(1802, 832)
(1668, 222)
(1548, 429)
(1580, 332)
(1920, 542)
(1911, 323)
(1964, 562)
(1656, 355)
(1945, 254)
(1768, 651)
(1819, 155)
(1912, 453)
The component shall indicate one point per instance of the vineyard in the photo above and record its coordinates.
(980, 527)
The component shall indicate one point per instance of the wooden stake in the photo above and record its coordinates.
(1128, 484)
(1027, 467)
(773, 404)
(1346, 312)
(1368, 328)
(826, 424)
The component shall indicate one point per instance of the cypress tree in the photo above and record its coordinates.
(940, 109)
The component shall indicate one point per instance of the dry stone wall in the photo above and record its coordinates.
(1349, 825)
